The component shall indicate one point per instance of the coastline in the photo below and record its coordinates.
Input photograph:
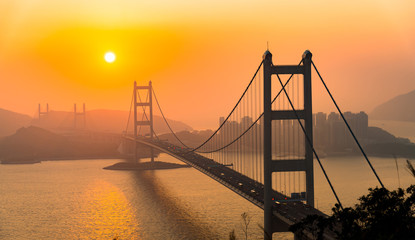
(56, 159)
(43, 159)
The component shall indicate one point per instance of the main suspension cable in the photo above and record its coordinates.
(129, 114)
(253, 124)
(347, 124)
(165, 120)
(243, 94)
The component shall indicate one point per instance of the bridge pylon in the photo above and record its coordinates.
(76, 115)
(305, 114)
(43, 113)
(138, 103)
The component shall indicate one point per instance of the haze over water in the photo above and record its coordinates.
(80, 200)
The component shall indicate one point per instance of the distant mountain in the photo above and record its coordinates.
(11, 121)
(30, 141)
(113, 121)
(400, 108)
(37, 143)
(55, 120)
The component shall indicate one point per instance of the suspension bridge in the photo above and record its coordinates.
(263, 150)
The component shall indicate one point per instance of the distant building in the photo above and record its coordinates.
(321, 135)
(362, 125)
(331, 132)
(246, 122)
(221, 120)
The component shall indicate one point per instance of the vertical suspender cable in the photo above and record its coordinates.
(309, 142)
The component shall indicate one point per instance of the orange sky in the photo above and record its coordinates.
(200, 55)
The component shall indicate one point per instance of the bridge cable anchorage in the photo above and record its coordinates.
(129, 114)
(243, 133)
(165, 120)
(243, 94)
(309, 142)
(348, 126)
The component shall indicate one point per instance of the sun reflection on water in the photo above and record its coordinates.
(106, 213)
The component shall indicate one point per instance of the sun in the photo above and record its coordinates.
(109, 57)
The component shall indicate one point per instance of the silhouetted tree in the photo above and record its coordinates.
(382, 214)
(246, 220)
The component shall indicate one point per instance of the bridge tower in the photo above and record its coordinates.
(45, 113)
(79, 114)
(138, 103)
(305, 114)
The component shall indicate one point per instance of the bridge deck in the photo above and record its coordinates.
(287, 213)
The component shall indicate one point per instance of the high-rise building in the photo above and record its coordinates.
(362, 125)
(221, 120)
(320, 130)
(331, 133)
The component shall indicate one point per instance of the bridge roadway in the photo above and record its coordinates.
(286, 212)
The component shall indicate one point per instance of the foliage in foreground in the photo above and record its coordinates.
(245, 227)
(382, 214)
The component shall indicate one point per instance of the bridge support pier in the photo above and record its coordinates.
(270, 165)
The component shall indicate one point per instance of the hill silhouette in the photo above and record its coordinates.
(37, 143)
(25, 139)
(114, 121)
(399, 108)
(11, 121)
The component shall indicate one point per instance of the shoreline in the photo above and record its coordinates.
(76, 158)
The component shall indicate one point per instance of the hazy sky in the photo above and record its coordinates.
(200, 55)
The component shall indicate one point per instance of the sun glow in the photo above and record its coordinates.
(109, 57)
